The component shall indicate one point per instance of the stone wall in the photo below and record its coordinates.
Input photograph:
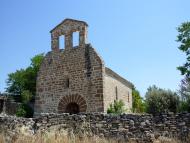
(11, 107)
(8, 106)
(141, 128)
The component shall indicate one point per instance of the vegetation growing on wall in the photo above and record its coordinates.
(117, 107)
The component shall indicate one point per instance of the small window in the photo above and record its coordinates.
(62, 42)
(116, 93)
(128, 97)
(75, 39)
(67, 83)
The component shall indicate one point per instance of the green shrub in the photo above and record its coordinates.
(138, 102)
(160, 100)
(116, 108)
(24, 110)
(26, 96)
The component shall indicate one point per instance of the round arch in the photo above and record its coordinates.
(72, 104)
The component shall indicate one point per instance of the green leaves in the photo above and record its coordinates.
(184, 93)
(24, 111)
(138, 103)
(26, 96)
(184, 39)
(36, 62)
(25, 79)
(23, 84)
(116, 108)
(160, 100)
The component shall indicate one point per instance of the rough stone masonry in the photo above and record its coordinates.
(75, 79)
(139, 128)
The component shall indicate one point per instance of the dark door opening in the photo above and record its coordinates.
(72, 108)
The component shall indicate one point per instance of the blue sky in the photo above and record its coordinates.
(135, 38)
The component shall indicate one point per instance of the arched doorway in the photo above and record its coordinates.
(72, 108)
(72, 104)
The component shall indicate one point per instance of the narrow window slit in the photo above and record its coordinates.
(67, 83)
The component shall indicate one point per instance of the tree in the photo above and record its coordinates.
(160, 100)
(184, 39)
(24, 111)
(184, 92)
(26, 96)
(24, 79)
(116, 108)
(138, 103)
(22, 83)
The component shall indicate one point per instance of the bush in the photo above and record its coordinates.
(160, 100)
(26, 96)
(24, 110)
(184, 94)
(116, 108)
(138, 102)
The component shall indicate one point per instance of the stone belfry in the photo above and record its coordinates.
(66, 28)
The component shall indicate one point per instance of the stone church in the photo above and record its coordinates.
(75, 79)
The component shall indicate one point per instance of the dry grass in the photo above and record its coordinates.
(57, 137)
(64, 137)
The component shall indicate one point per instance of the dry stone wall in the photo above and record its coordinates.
(9, 106)
(141, 128)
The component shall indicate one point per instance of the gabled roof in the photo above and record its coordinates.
(68, 19)
(113, 74)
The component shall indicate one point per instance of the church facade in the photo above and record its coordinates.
(75, 79)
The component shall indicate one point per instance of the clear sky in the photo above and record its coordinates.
(136, 38)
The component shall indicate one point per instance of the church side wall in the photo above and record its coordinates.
(114, 89)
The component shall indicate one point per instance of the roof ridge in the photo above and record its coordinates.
(118, 77)
(70, 20)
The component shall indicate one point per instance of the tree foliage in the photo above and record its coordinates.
(116, 108)
(24, 79)
(22, 84)
(160, 100)
(138, 103)
(184, 93)
(184, 39)
(26, 96)
(24, 111)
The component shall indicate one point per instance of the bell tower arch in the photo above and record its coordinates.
(67, 28)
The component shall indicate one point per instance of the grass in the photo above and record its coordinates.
(52, 138)
(63, 136)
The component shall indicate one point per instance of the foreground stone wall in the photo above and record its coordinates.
(141, 128)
